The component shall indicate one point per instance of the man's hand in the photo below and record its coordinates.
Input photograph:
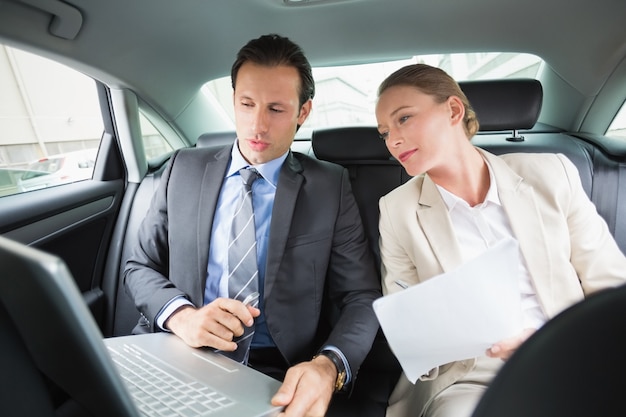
(505, 348)
(214, 325)
(307, 389)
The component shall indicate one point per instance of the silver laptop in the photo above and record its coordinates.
(40, 299)
(163, 373)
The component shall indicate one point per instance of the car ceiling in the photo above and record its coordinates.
(165, 50)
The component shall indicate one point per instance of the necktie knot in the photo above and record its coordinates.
(248, 176)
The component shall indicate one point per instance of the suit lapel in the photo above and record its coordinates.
(432, 215)
(289, 183)
(520, 204)
(209, 193)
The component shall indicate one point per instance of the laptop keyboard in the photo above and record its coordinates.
(159, 393)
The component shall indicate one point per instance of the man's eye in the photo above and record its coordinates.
(276, 110)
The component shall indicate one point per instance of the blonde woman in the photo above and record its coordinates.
(461, 201)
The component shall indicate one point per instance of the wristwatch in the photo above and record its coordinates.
(341, 369)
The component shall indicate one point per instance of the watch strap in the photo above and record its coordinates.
(340, 382)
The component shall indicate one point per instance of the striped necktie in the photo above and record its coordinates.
(242, 260)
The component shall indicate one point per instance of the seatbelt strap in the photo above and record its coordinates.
(620, 210)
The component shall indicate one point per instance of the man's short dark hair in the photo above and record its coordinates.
(272, 50)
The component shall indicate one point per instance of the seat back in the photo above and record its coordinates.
(211, 139)
(572, 367)
(373, 172)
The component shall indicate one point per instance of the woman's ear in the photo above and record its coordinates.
(457, 109)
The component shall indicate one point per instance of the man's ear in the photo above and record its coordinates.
(305, 110)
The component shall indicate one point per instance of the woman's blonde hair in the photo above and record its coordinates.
(436, 83)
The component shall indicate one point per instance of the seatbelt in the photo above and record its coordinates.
(608, 193)
(620, 215)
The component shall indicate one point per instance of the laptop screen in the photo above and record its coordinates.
(42, 302)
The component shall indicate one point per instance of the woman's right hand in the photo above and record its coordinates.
(505, 348)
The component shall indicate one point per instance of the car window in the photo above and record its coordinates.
(154, 143)
(346, 95)
(50, 123)
(617, 129)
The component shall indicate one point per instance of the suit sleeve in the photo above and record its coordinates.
(352, 282)
(147, 269)
(595, 255)
(396, 264)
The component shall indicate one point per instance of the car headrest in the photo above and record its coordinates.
(349, 143)
(216, 139)
(505, 104)
(508, 105)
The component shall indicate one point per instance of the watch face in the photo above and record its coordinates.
(341, 379)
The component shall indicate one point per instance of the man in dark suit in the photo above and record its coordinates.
(314, 324)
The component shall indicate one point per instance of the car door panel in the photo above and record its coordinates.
(73, 221)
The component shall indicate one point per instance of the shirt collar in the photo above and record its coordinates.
(269, 170)
(452, 200)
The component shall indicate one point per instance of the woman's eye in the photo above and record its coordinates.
(384, 135)
(404, 119)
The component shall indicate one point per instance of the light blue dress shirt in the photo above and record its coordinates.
(263, 192)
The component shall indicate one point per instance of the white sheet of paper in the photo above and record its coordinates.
(457, 315)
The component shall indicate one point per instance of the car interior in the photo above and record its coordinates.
(154, 70)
